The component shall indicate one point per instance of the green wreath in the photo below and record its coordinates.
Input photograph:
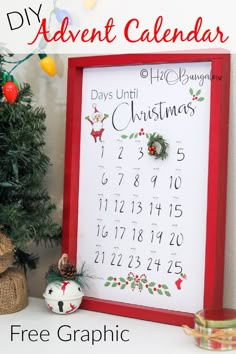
(154, 141)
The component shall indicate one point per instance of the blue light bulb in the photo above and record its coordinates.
(61, 14)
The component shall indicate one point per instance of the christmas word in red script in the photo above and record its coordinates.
(132, 33)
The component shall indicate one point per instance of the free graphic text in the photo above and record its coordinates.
(66, 333)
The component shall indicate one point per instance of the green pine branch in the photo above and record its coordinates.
(26, 209)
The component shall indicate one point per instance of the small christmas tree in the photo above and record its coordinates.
(25, 206)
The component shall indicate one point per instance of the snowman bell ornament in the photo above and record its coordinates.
(63, 294)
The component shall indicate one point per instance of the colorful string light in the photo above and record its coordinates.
(47, 64)
(61, 14)
(8, 82)
(10, 89)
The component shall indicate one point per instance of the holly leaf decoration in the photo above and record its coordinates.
(136, 135)
(164, 286)
(140, 286)
(131, 136)
(198, 92)
(134, 282)
(124, 136)
(201, 99)
(152, 284)
(122, 280)
(147, 135)
(191, 91)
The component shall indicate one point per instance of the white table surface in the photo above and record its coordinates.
(144, 336)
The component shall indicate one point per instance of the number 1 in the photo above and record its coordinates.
(102, 152)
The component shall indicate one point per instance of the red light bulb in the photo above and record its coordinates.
(10, 90)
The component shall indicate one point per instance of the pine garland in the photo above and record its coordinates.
(154, 140)
(67, 271)
(26, 209)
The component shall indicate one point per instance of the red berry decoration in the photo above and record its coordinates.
(140, 282)
(10, 90)
(141, 129)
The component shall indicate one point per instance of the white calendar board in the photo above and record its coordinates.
(142, 220)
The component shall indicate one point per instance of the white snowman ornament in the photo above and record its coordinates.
(63, 297)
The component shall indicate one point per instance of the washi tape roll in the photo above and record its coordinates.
(215, 329)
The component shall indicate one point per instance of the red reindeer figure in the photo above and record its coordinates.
(63, 288)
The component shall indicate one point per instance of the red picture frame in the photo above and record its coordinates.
(217, 177)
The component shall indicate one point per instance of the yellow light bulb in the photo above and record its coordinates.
(47, 64)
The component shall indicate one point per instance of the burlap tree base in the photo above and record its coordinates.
(6, 252)
(13, 291)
